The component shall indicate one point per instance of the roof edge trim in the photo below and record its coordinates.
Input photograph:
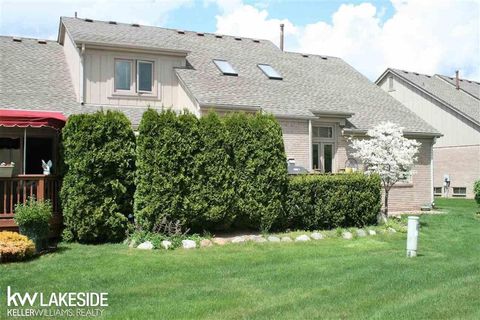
(126, 47)
(406, 133)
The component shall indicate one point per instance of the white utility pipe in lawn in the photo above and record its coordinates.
(412, 236)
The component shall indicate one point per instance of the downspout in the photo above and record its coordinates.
(310, 155)
(82, 75)
(432, 172)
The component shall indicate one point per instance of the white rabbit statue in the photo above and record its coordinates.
(46, 167)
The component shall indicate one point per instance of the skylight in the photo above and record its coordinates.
(270, 72)
(225, 67)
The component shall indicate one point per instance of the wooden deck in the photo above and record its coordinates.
(17, 189)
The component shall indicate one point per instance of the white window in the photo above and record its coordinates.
(437, 191)
(270, 72)
(123, 75)
(322, 132)
(134, 76)
(225, 67)
(459, 191)
(144, 76)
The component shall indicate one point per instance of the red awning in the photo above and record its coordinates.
(36, 119)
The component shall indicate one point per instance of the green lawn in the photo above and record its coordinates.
(333, 278)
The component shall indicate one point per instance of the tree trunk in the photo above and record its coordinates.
(385, 212)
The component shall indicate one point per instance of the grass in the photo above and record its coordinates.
(329, 279)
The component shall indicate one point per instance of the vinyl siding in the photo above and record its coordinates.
(99, 80)
(456, 130)
(72, 57)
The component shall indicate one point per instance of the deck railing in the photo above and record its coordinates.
(18, 189)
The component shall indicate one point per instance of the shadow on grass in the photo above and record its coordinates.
(50, 250)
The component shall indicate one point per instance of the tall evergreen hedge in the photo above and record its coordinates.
(259, 163)
(213, 187)
(165, 145)
(210, 172)
(99, 162)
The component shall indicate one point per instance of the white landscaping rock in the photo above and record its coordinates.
(286, 239)
(238, 240)
(316, 236)
(205, 243)
(147, 245)
(361, 233)
(391, 230)
(273, 239)
(188, 244)
(372, 232)
(220, 241)
(259, 239)
(347, 235)
(166, 244)
(302, 238)
(132, 244)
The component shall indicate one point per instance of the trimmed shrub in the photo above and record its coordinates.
(33, 218)
(476, 191)
(260, 167)
(206, 173)
(213, 192)
(98, 186)
(15, 247)
(317, 202)
(166, 148)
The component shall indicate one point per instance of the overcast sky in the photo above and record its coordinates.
(426, 36)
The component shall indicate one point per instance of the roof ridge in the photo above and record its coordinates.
(26, 38)
(453, 78)
(164, 28)
(412, 72)
(311, 54)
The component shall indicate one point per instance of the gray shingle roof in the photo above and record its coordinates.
(469, 86)
(35, 76)
(309, 83)
(444, 90)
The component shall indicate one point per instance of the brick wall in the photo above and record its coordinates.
(296, 141)
(403, 196)
(461, 163)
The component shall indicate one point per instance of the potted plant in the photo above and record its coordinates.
(6, 169)
(33, 220)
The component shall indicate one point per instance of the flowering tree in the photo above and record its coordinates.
(387, 153)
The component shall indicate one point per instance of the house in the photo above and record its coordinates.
(320, 101)
(451, 105)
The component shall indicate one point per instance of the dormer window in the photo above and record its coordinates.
(144, 76)
(123, 75)
(225, 67)
(133, 76)
(270, 72)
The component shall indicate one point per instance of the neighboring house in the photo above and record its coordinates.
(319, 101)
(451, 105)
